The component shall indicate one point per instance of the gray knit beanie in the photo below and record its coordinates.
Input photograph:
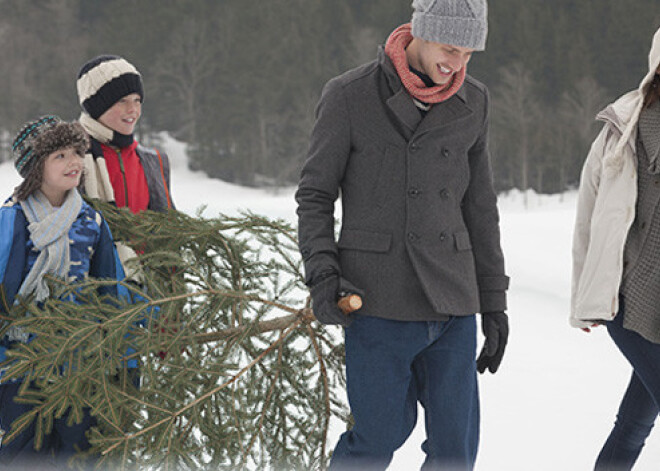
(457, 22)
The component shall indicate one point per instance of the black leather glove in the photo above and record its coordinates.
(495, 326)
(325, 294)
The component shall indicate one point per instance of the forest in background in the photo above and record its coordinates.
(239, 81)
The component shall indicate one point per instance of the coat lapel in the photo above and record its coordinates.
(400, 105)
(447, 112)
(405, 111)
(409, 116)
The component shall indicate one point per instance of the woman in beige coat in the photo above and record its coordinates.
(616, 255)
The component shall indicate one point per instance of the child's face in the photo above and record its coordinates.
(62, 172)
(123, 115)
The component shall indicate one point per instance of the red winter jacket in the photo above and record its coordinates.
(127, 177)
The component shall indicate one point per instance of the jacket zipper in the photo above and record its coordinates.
(123, 175)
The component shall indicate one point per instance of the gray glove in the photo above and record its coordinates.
(495, 326)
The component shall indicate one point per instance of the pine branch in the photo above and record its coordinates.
(264, 326)
(205, 396)
(235, 372)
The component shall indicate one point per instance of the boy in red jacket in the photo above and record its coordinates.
(117, 167)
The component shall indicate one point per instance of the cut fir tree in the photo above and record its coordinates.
(233, 371)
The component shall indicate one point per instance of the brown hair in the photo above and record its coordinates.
(61, 136)
(35, 177)
(652, 92)
(32, 181)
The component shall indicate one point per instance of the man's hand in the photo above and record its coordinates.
(495, 326)
(325, 294)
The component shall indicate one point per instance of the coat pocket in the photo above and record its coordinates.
(367, 241)
(462, 241)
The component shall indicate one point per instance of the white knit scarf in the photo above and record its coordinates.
(49, 231)
(104, 134)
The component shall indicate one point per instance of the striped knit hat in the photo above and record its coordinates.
(43, 136)
(104, 80)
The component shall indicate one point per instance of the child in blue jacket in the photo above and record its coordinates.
(47, 228)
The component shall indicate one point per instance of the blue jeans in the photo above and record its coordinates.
(57, 447)
(390, 365)
(639, 407)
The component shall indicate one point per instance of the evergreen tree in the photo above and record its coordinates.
(234, 371)
(238, 81)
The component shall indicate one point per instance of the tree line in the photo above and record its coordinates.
(238, 81)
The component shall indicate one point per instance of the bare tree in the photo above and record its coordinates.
(516, 119)
(576, 115)
(182, 71)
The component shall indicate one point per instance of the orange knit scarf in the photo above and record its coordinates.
(395, 48)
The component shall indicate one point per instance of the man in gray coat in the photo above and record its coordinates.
(404, 138)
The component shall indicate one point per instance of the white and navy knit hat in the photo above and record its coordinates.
(461, 23)
(104, 80)
(43, 136)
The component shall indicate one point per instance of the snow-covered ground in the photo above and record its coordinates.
(552, 404)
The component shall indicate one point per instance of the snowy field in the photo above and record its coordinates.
(553, 402)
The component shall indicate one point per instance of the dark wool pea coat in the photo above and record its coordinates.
(420, 226)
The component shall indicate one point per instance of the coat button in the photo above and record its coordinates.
(444, 194)
(414, 192)
(414, 147)
(412, 236)
(445, 152)
(443, 236)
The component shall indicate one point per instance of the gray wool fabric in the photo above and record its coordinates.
(641, 275)
(457, 22)
(649, 131)
(420, 227)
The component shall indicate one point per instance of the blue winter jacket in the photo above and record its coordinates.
(92, 253)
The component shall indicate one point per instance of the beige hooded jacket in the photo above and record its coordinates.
(606, 206)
